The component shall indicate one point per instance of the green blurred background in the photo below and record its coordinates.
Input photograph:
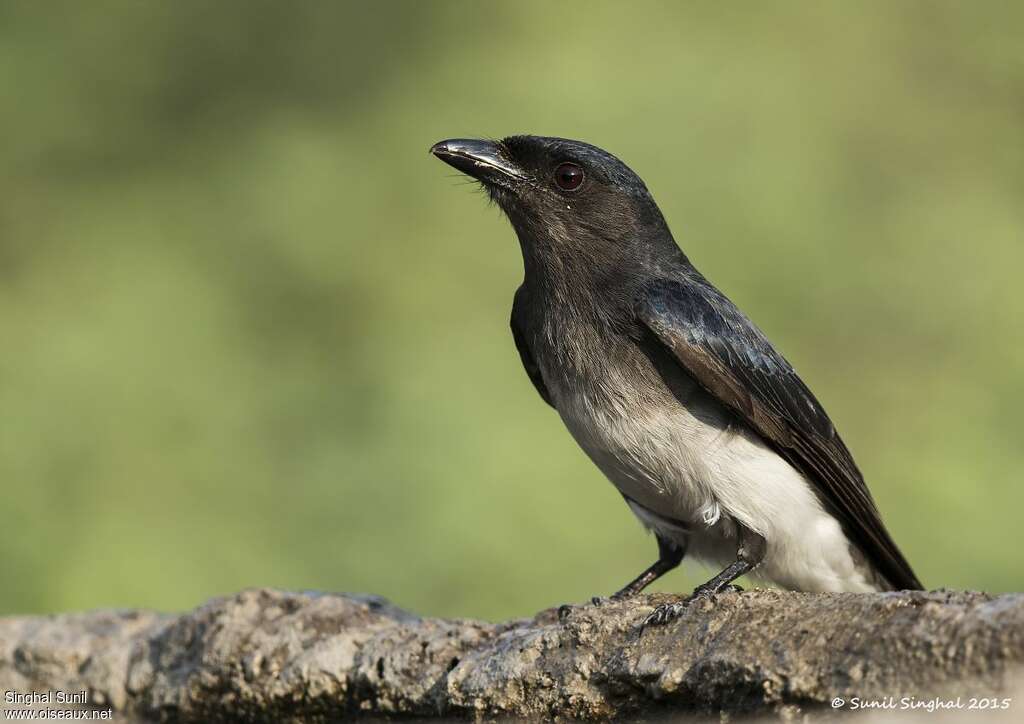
(254, 335)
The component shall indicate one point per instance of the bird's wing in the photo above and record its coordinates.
(733, 360)
(528, 361)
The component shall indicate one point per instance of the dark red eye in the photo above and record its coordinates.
(568, 176)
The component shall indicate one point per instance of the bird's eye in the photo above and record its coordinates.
(568, 176)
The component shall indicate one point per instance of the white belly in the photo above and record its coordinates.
(687, 463)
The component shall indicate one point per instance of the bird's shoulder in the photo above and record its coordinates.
(707, 331)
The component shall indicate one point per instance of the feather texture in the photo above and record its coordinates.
(733, 360)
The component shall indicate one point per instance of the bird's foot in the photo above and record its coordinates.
(624, 594)
(664, 613)
(668, 612)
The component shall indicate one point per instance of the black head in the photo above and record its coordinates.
(567, 200)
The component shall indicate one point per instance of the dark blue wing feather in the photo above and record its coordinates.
(735, 362)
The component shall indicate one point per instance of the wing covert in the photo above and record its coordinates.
(733, 360)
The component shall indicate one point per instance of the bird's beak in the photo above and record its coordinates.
(483, 160)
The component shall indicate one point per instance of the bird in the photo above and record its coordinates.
(715, 443)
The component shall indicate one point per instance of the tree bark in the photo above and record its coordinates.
(265, 655)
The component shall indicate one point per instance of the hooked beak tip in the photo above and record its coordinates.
(483, 160)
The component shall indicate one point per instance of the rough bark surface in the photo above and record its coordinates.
(266, 655)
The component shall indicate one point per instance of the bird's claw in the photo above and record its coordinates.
(663, 614)
(668, 612)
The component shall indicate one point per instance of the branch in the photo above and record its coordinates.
(266, 655)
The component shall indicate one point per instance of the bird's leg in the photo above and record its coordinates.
(750, 551)
(670, 554)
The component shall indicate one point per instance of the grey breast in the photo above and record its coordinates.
(642, 419)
